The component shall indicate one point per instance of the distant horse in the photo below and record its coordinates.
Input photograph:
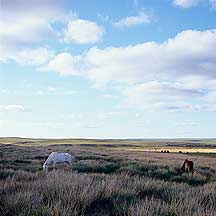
(165, 151)
(57, 157)
(188, 166)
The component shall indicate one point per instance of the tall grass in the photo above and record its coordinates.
(69, 193)
(102, 183)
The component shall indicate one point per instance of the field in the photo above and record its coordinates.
(108, 177)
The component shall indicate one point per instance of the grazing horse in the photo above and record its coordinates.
(187, 167)
(56, 157)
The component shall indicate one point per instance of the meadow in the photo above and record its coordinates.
(108, 177)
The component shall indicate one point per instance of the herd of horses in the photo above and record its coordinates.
(57, 157)
(164, 151)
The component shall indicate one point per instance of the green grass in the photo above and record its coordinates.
(115, 142)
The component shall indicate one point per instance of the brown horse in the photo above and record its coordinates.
(188, 166)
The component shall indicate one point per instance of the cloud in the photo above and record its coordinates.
(209, 102)
(190, 53)
(178, 74)
(192, 3)
(5, 91)
(142, 18)
(170, 96)
(54, 91)
(26, 56)
(206, 107)
(187, 123)
(91, 126)
(13, 108)
(109, 96)
(51, 89)
(28, 21)
(186, 3)
(83, 32)
(64, 63)
(103, 116)
(35, 30)
(156, 95)
(24, 25)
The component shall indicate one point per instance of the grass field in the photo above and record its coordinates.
(108, 177)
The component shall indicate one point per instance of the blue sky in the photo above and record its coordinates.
(108, 69)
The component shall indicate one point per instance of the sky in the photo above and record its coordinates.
(108, 69)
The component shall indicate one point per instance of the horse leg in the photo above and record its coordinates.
(69, 163)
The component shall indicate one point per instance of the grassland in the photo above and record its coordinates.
(108, 177)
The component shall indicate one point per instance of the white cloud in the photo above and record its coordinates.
(25, 24)
(198, 82)
(192, 3)
(105, 116)
(142, 18)
(186, 3)
(28, 56)
(13, 108)
(109, 96)
(25, 56)
(54, 91)
(5, 91)
(187, 123)
(206, 107)
(24, 30)
(209, 102)
(28, 21)
(91, 126)
(190, 53)
(63, 63)
(83, 32)
(158, 95)
(152, 74)
(51, 89)
(211, 97)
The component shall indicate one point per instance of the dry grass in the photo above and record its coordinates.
(175, 149)
(69, 193)
(104, 181)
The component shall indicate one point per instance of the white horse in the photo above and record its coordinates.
(57, 157)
